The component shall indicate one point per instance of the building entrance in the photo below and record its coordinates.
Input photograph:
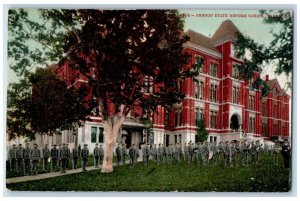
(234, 122)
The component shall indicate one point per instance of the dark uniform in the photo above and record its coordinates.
(59, 159)
(75, 155)
(286, 153)
(27, 159)
(35, 156)
(46, 155)
(101, 151)
(124, 153)
(226, 153)
(84, 157)
(190, 152)
(119, 154)
(131, 153)
(13, 158)
(245, 148)
(96, 155)
(160, 153)
(146, 154)
(205, 153)
(64, 155)
(20, 159)
(232, 154)
(54, 157)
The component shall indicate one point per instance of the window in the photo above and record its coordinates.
(250, 83)
(212, 119)
(148, 86)
(196, 89)
(251, 124)
(264, 128)
(213, 93)
(101, 136)
(235, 95)
(93, 134)
(178, 117)
(200, 67)
(213, 70)
(211, 138)
(179, 138)
(275, 109)
(201, 90)
(235, 71)
(251, 103)
(198, 115)
(275, 129)
(264, 108)
(175, 138)
(167, 118)
(233, 52)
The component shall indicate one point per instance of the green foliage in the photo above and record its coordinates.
(280, 50)
(265, 177)
(202, 133)
(42, 104)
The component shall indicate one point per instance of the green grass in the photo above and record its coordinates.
(10, 174)
(264, 177)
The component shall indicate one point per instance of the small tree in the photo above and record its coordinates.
(202, 133)
(44, 106)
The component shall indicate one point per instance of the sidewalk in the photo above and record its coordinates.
(55, 174)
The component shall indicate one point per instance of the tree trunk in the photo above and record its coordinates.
(111, 132)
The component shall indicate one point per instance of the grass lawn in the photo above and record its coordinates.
(264, 177)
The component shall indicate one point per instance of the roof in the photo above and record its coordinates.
(201, 40)
(271, 83)
(227, 30)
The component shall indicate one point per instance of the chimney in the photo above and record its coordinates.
(267, 77)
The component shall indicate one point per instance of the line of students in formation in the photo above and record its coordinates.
(26, 160)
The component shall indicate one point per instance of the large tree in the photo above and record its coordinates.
(131, 58)
(278, 52)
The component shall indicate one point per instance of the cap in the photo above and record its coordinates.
(96, 143)
(85, 145)
(54, 145)
(35, 144)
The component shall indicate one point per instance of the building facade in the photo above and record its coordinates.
(227, 103)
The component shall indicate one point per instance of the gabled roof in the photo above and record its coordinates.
(201, 40)
(272, 83)
(227, 30)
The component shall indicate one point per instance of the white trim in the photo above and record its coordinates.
(202, 49)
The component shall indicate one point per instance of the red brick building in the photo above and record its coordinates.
(218, 95)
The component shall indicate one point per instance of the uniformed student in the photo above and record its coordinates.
(252, 152)
(215, 151)
(199, 153)
(205, 153)
(124, 153)
(75, 156)
(244, 149)
(190, 152)
(96, 155)
(257, 151)
(286, 153)
(180, 153)
(46, 155)
(54, 158)
(35, 156)
(276, 152)
(168, 154)
(137, 153)
(84, 157)
(13, 158)
(59, 159)
(131, 153)
(27, 167)
(232, 154)
(119, 154)
(226, 153)
(20, 158)
(160, 154)
(101, 151)
(64, 155)
(146, 153)
(69, 156)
